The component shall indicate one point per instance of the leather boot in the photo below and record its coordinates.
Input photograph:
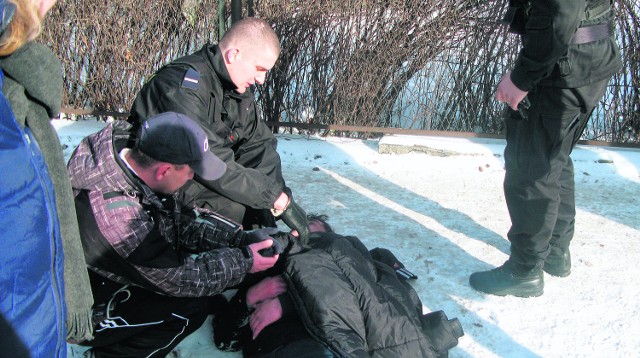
(558, 262)
(509, 280)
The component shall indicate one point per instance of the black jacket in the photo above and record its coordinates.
(199, 86)
(345, 297)
(355, 305)
(549, 55)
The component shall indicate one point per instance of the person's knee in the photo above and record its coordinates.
(191, 314)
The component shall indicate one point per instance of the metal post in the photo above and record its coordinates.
(236, 10)
(221, 21)
(250, 8)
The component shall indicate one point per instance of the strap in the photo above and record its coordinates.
(597, 10)
(588, 34)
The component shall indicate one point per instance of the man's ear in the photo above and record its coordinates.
(232, 55)
(162, 170)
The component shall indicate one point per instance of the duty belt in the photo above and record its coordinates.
(593, 33)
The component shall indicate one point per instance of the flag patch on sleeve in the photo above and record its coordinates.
(191, 79)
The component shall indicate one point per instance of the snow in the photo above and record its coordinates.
(440, 208)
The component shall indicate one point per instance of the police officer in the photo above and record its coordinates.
(568, 56)
(213, 86)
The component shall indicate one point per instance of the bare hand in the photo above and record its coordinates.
(261, 263)
(509, 93)
(266, 313)
(268, 288)
(281, 203)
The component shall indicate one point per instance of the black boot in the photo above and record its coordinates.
(509, 280)
(558, 262)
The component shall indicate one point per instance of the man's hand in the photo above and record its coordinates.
(266, 313)
(509, 93)
(261, 263)
(268, 288)
(281, 204)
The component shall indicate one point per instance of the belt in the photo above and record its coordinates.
(593, 33)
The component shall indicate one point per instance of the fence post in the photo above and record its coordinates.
(250, 8)
(236, 10)
(221, 21)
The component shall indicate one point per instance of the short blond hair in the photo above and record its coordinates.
(25, 26)
(250, 32)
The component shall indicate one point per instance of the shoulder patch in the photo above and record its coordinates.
(191, 79)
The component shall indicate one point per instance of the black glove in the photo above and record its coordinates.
(296, 219)
(253, 236)
(282, 242)
(275, 249)
(387, 257)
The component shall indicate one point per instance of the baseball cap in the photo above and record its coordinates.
(177, 139)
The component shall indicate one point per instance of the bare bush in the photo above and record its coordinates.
(109, 48)
(430, 64)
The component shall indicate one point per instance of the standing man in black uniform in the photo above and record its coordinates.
(568, 56)
(213, 86)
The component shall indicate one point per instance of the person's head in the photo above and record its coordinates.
(317, 223)
(170, 149)
(250, 48)
(23, 20)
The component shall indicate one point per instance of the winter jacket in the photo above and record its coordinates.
(350, 300)
(132, 235)
(199, 86)
(356, 306)
(551, 57)
(33, 86)
(31, 278)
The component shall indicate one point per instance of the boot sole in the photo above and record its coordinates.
(523, 292)
(557, 273)
(533, 292)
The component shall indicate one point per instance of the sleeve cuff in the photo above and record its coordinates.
(520, 80)
(288, 309)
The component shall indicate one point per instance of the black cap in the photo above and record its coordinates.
(177, 139)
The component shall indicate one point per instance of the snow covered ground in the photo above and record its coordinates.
(441, 210)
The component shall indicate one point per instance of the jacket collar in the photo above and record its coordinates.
(36, 68)
(217, 61)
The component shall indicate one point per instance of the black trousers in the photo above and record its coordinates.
(134, 322)
(539, 181)
(195, 194)
(302, 348)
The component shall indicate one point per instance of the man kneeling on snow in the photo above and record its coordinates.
(153, 264)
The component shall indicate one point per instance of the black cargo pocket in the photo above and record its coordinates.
(519, 142)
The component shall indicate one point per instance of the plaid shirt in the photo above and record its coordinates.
(148, 242)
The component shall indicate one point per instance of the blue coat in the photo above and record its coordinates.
(31, 261)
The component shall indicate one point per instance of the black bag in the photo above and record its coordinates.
(442, 331)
